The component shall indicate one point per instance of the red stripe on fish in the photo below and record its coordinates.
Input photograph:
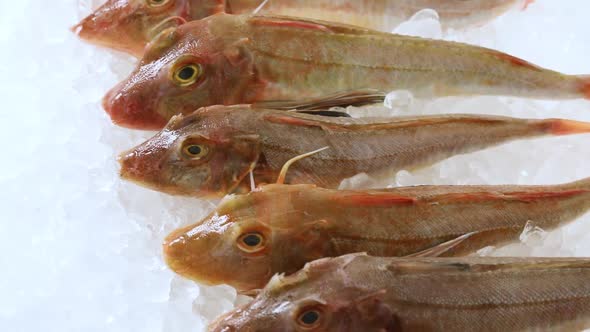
(473, 197)
(520, 196)
(295, 121)
(289, 24)
(518, 62)
(585, 86)
(373, 200)
(289, 120)
(529, 197)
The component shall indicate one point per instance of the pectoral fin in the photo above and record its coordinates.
(348, 98)
(443, 247)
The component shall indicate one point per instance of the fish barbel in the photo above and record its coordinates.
(231, 59)
(128, 25)
(278, 228)
(359, 293)
(210, 152)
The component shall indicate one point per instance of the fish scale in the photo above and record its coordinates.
(400, 63)
(424, 294)
(263, 140)
(281, 61)
(128, 25)
(301, 223)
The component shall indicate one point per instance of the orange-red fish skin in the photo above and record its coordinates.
(239, 57)
(371, 200)
(585, 89)
(518, 62)
(568, 127)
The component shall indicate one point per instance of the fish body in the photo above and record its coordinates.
(236, 59)
(129, 25)
(385, 15)
(240, 139)
(279, 228)
(362, 293)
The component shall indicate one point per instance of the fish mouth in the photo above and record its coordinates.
(131, 168)
(102, 28)
(180, 258)
(93, 32)
(88, 28)
(129, 110)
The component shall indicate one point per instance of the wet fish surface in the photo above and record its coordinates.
(362, 293)
(279, 228)
(210, 152)
(129, 25)
(230, 59)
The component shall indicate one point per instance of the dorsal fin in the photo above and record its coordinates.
(348, 98)
(334, 114)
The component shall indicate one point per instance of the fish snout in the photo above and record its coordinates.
(174, 247)
(141, 165)
(91, 28)
(234, 322)
(177, 253)
(223, 328)
(111, 26)
(131, 109)
(188, 252)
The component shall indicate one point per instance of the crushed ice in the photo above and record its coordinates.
(80, 249)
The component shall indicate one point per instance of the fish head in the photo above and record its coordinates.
(317, 298)
(194, 155)
(248, 239)
(227, 247)
(128, 25)
(183, 69)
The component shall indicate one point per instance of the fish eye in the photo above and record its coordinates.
(309, 317)
(157, 3)
(195, 151)
(187, 74)
(251, 242)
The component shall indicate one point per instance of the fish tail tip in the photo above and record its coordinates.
(561, 127)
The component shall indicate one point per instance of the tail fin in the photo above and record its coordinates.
(560, 127)
(585, 86)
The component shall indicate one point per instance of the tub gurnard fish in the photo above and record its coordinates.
(128, 25)
(242, 59)
(210, 152)
(278, 228)
(360, 293)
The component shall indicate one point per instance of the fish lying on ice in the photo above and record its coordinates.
(359, 293)
(210, 152)
(231, 59)
(278, 228)
(128, 25)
